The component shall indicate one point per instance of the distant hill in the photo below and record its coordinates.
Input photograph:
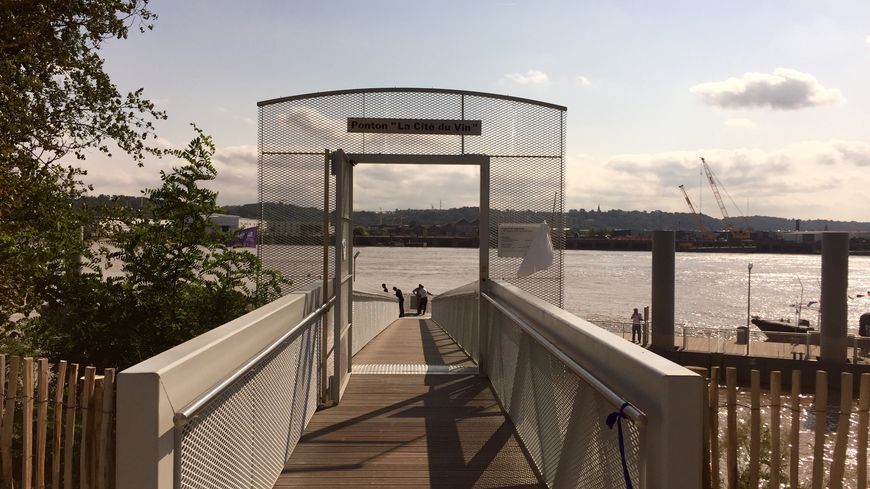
(574, 218)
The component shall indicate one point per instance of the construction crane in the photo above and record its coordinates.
(716, 194)
(705, 234)
(692, 208)
(735, 233)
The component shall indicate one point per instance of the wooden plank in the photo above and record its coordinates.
(57, 432)
(821, 403)
(754, 427)
(27, 425)
(2, 417)
(715, 480)
(69, 436)
(775, 452)
(8, 419)
(439, 435)
(863, 418)
(105, 472)
(415, 341)
(838, 464)
(41, 421)
(794, 446)
(731, 454)
(84, 439)
(94, 429)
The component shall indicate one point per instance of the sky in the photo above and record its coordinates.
(773, 94)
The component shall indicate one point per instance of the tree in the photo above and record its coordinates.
(57, 104)
(179, 277)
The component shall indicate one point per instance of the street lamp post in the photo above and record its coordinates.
(748, 302)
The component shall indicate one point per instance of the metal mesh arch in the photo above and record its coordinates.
(525, 140)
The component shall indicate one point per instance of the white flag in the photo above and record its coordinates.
(540, 253)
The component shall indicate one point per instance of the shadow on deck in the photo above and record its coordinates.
(411, 430)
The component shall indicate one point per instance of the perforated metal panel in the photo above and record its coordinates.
(559, 416)
(524, 138)
(242, 437)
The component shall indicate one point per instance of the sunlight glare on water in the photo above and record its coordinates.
(711, 288)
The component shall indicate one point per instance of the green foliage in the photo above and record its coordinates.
(57, 102)
(765, 444)
(179, 277)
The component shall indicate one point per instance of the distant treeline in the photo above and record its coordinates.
(574, 218)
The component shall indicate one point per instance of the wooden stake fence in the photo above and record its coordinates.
(46, 441)
(772, 456)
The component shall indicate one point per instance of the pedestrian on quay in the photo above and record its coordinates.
(401, 298)
(422, 299)
(636, 318)
(384, 286)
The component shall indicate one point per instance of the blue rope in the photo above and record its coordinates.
(616, 418)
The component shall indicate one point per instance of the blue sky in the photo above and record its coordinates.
(773, 94)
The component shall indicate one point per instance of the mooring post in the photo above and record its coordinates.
(835, 279)
(663, 290)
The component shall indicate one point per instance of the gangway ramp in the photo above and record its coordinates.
(423, 418)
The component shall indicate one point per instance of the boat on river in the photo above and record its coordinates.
(779, 329)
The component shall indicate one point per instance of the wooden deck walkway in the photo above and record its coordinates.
(411, 430)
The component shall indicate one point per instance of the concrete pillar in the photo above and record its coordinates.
(663, 290)
(835, 279)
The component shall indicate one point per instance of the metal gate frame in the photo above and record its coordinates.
(524, 144)
(482, 162)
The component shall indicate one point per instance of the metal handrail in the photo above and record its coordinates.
(634, 414)
(184, 415)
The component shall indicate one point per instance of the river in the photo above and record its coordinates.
(711, 288)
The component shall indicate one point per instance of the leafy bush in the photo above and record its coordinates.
(179, 277)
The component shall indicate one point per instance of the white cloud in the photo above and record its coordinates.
(740, 123)
(867, 40)
(531, 77)
(810, 179)
(583, 81)
(785, 89)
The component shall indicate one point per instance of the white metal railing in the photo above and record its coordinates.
(227, 408)
(558, 377)
(456, 311)
(372, 313)
(770, 344)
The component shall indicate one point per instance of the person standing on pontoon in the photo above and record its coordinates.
(636, 318)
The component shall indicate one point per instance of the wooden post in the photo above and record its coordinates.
(87, 392)
(821, 419)
(714, 428)
(104, 469)
(754, 428)
(731, 455)
(838, 465)
(775, 457)
(69, 436)
(2, 418)
(8, 419)
(58, 425)
(41, 422)
(94, 427)
(794, 447)
(863, 418)
(27, 426)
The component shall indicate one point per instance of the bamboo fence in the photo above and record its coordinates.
(768, 458)
(57, 426)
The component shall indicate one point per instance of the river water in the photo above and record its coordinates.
(604, 286)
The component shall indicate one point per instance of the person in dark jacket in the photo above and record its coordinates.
(401, 298)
